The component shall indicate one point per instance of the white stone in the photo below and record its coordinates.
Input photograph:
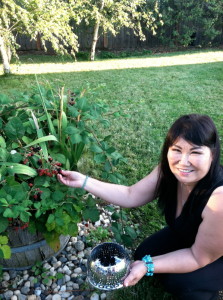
(17, 292)
(25, 277)
(5, 284)
(14, 297)
(31, 279)
(103, 296)
(56, 297)
(70, 264)
(6, 276)
(76, 286)
(70, 284)
(73, 257)
(68, 248)
(94, 296)
(66, 278)
(81, 233)
(98, 223)
(47, 266)
(78, 270)
(63, 288)
(57, 264)
(27, 284)
(73, 239)
(31, 297)
(53, 272)
(65, 295)
(81, 254)
(8, 294)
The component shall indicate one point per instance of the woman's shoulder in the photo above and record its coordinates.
(215, 202)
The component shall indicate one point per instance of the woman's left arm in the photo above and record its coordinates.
(207, 247)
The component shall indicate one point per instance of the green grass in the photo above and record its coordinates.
(154, 90)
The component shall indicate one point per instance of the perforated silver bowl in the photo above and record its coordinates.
(108, 265)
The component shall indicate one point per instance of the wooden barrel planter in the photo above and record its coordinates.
(29, 248)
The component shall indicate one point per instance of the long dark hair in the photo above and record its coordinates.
(198, 130)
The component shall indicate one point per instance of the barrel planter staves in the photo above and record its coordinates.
(28, 248)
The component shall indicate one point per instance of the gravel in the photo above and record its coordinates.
(71, 262)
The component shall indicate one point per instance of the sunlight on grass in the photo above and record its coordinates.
(182, 59)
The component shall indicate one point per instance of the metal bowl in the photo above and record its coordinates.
(108, 265)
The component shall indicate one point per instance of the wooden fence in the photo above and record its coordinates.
(124, 40)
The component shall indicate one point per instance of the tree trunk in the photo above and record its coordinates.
(5, 58)
(96, 30)
(38, 42)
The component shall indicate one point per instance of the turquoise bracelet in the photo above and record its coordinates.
(149, 264)
(85, 181)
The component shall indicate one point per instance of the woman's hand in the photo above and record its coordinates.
(137, 271)
(71, 178)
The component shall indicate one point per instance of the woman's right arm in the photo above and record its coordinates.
(135, 195)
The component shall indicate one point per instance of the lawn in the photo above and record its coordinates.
(153, 90)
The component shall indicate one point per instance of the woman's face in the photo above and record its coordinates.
(188, 162)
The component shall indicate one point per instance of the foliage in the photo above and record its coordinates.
(39, 134)
(122, 227)
(98, 235)
(48, 20)
(43, 274)
(110, 16)
(191, 22)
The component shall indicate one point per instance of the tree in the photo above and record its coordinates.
(111, 15)
(191, 22)
(49, 19)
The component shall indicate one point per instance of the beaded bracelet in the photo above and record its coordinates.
(149, 265)
(85, 181)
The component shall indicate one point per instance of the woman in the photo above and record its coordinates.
(187, 254)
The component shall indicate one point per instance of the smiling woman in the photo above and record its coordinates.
(187, 254)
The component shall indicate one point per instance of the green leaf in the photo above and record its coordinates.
(82, 103)
(2, 142)
(91, 214)
(76, 138)
(127, 240)
(116, 216)
(95, 148)
(59, 157)
(24, 216)
(100, 158)
(21, 169)
(3, 240)
(6, 251)
(73, 229)
(16, 158)
(42, 139)
(8, 213)
(3, 154)
(51, 219)
(58, 196)
(4, 99)
(14, 129)
(3, 224)
(131, 232)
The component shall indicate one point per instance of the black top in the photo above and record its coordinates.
(186, 225)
